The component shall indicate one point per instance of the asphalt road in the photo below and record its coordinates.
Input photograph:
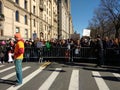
(61, 76)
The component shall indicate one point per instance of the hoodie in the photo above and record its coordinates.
(19, 49)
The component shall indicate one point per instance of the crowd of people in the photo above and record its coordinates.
(7, 47)
(15, 50)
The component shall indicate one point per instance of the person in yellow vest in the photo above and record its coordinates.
(18, 57)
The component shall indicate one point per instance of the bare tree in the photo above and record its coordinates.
(106, 18)
(112, 10)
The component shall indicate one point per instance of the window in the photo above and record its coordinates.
(26, 33)
(0, 7)
(25, 4)
(25, 19)
(1, 32)
(17, 1)
(41, 1)
(45, 27)
(47, 10)
(17, 16)
(49, 13)
(17, 29)
(34, 9)
(34, 22)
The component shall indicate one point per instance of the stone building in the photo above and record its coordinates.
(34, 18)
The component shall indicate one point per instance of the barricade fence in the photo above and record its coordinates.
(39, 54)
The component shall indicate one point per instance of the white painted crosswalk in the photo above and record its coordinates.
(6, 69)
(14, 73)
(74, 82)
(2, 65)
(100, 82)
(46, 85)
(117, 75)
(74, 78)
(26, 79)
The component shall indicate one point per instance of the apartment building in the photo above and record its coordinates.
(64, 18)
(32, 18)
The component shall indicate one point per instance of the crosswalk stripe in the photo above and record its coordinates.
(6, 69)
(100, 82)
(2, 65)
(14, 73)
(117, 75)
(46, 85)
(74, 81)
(27, 78)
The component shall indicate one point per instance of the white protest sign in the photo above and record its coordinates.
(86, 32)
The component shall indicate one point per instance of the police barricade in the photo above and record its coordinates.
(83, 53)
(38, 54)
(54, 52)
(112, 55)
(32, 53)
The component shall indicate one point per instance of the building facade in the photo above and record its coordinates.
(64, 19)
(33, 19)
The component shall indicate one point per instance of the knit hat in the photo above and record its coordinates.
(17, 35)
(3, 43)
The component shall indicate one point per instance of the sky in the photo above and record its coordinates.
(82, 12)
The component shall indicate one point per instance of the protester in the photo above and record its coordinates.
(2, 51)
(18, 56)
(10, 56)
(99, 51)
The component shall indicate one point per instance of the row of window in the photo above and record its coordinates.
(25, 3)
(25, 18)
(25, 32)
(17, 17)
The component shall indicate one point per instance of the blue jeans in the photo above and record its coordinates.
(18, 69)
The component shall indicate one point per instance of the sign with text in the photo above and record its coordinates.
(86, 32)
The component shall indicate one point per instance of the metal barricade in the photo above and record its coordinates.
(83, 53)
(54, 52)
(58, 53)
(38, 54)
(112, 54)
(32, 54)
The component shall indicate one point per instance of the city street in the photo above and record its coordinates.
(61, 76)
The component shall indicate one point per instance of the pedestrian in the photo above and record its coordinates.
(2, 51)
(99, 51)
(18, 57)
(10, 56)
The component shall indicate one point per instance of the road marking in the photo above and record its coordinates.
(117, 75)
(45, 64)
(14, 73)
(6, 69)
(74, 81)
(100, 82)
(2, 65)
(46, 85)
(27, 78)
